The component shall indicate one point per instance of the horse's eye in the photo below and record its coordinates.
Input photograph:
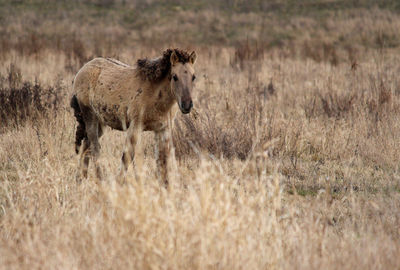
(175, 77)
(194, 77)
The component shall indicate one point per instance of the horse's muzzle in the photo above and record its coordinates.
(186, 106)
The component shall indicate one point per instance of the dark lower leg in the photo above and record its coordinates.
(129, 154)
(163, 143)
(84, 160)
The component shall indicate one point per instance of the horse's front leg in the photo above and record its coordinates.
(129, 152)
(163, 140)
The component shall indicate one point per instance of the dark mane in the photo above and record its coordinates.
(154, 70)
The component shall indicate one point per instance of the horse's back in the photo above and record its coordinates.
(109, 70)
(105, 86)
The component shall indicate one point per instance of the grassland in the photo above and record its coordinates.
(291, 160)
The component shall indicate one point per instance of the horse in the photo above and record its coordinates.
(107, 92)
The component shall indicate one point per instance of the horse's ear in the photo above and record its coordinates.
(174, 58)
(193, 57)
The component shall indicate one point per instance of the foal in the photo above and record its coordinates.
(108, 92)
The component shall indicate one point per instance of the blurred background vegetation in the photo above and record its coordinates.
(324, 30)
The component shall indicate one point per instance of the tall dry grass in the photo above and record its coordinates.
(287, 164)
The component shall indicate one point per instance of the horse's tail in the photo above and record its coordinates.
(81, 129)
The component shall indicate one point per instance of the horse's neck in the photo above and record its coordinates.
(164, 96)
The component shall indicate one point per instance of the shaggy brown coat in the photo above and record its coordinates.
(108, 92)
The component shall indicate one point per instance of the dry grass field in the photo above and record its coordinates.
(291, 159)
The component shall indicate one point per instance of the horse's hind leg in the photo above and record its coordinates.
(93, 136)
(84, 159)
(91, 145)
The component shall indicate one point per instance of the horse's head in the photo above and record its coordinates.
(182, 81)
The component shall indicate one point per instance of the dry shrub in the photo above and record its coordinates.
(335, 105)
(30, 44)
(33, 43)
(352, 55)
(233, 140)
(246, 51)
(376, 101)
(75, 50)
(380, 100)
(320, 52)
(22, 101)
